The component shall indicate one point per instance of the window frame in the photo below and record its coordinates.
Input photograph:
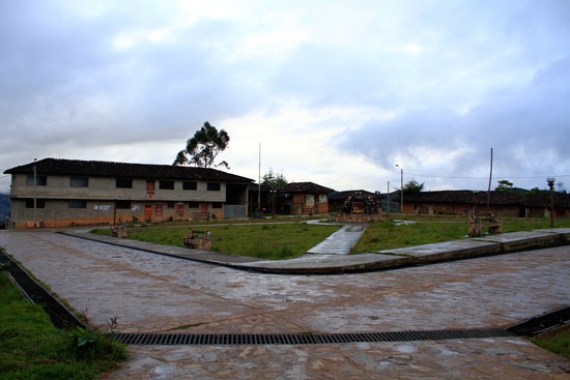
(41, 180)
(40, 203)
(214, 186)
(77, 204)
(166, 184)
(123, 183)
(78, 181)
(190, 185)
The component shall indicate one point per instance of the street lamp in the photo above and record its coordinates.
(401, 189)
(550, 181)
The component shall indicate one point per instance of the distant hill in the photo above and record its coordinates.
(4, 206)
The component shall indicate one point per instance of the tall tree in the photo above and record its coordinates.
(504, 186)
(202, 149)
(413, 187)
(274, 181)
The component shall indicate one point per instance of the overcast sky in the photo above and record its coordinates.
(335, 92)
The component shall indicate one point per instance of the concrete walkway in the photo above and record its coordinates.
(340, 242)
(153, 293)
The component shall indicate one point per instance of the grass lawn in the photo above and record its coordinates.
(557, 342)
(286, 240)
(427, 230)
(269, 241)
(31, 348)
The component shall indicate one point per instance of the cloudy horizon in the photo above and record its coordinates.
(334, 92)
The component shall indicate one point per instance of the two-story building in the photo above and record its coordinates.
(59, 192)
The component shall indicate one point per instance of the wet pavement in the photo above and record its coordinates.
(340, 242)
(158, 293)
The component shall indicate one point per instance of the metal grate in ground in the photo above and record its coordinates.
(308, 338)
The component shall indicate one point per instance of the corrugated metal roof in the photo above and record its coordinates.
(64, 167)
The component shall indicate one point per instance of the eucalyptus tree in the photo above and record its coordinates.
(203, 148)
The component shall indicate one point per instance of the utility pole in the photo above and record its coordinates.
(35, 196)
(489, 188)
(550, 181)
(401, 189)
(259, 183)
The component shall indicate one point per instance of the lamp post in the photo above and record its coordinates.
(401, 189)
(550, 181)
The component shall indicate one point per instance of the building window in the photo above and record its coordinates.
(41, 180)
(166, 185)
(170, 204)
(217, 205)
(79, 182)
(124, 183)
(214, 186)
(123, 204)
(77, 203)
(193, 204)
(190, 185)
(40, 203)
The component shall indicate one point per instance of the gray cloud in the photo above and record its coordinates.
(432, 84)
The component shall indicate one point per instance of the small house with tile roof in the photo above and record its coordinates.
(58, 192)
(308, 198)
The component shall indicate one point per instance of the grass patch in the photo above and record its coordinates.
(285, 241)
(267, 241)
(31, 348)
(557, 342)
(387, 235)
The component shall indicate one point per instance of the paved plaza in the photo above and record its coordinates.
(154, 293)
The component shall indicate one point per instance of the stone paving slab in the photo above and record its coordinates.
(524, 240)
(329, 264)
(157, 293)
(562, 231)
(450, 250)
(502, 358)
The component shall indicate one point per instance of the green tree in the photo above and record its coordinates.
(202, 149)
(504, 185)
(534, 191)
(413, 187)
(274, 181)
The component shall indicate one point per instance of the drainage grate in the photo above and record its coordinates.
(535, 326)
(303, 339)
